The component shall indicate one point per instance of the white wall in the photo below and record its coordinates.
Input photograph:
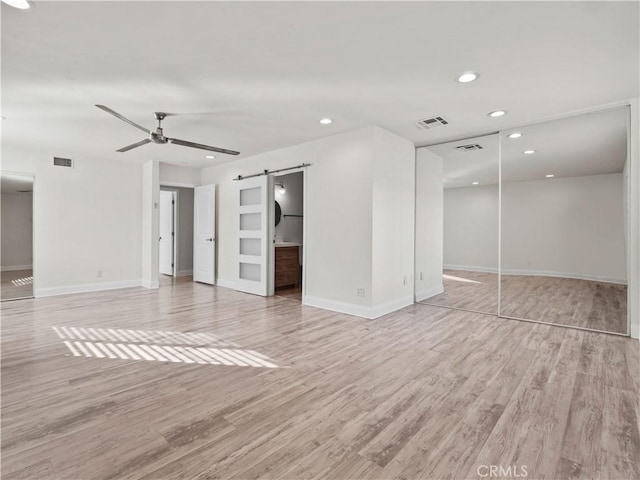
(86, 219)
(570, 227)
(150, 221)
(428, 224)
(184, 231)
(176, 175)
(291, 203)
(16, 228)
(338, 212)
(393, 221)
(471, 228)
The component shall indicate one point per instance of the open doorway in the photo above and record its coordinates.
(289, 235)
(176, 235)
(16, 243)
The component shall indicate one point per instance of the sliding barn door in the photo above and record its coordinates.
(204, 234)
(255, 235)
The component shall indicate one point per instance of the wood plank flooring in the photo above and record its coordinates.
(422, 393)
(16, 284)
(564, 301)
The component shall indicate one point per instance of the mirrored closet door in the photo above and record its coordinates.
(564, 217)
(457, 212)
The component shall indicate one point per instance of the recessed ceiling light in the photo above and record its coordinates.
(211, 157)
(515, 135)
(497, 113)
(551, 175)
(529, 152)
(20, 4)
(326, 121)
(474, 183)
(467, 77)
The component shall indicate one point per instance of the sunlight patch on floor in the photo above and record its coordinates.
(151, 345)
(459, 279)
(22, 282)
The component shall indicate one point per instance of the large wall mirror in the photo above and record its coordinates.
(564, 217)
(528, 224)
(457, 214)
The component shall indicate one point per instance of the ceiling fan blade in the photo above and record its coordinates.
(184, 143)
(117, 115)
(134, 145)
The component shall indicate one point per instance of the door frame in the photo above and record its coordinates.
(174, 228)
(33, 228)
(302, 170)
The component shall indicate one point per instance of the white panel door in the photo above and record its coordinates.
(255, 246)
(167, 232)
(204, 234)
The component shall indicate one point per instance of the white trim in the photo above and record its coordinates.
(538, 273)
(178, 184)
(184, 273)
(390, 307)
(429, 292)
(357, 310)
(576, 276)
(633, 232)
(470, 268)
(221, 282)
(13, 268)
(87, 287)
(150, 285)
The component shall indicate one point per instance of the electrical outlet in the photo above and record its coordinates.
(99, 273)
(360, 292)
(404, 282)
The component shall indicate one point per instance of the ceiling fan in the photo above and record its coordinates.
(158, 135)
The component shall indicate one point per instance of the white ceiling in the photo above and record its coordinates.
(589, 144)
(15, 183)
(269, 71)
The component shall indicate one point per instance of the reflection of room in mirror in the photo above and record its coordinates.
(457, 222)
(16, 275)
(564, 222)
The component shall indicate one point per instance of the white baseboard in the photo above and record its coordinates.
(471, 268)
(150, 285)
(577, 276)
(357, 310)
(537, 273)
(221, 282)
(87, 287)
(429, 292)
(13, 268)
(390, 307)
(184, 273)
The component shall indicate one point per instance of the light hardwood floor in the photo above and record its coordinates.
(424, 393)
(565, 301)
(16, 284)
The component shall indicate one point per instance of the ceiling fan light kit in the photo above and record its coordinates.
(158, 136)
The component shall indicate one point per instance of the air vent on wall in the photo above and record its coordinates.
(429, 123)
(62, 162)
(471, 146)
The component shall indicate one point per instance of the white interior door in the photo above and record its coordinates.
(204, 234)
(167, 232)
(255, 245)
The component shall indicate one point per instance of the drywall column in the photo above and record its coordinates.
(150, 223)
(633, 287)
(393, 233)
(429, 224)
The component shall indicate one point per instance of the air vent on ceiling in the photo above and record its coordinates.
(429, 123)
(471, 146)
(62, 162)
